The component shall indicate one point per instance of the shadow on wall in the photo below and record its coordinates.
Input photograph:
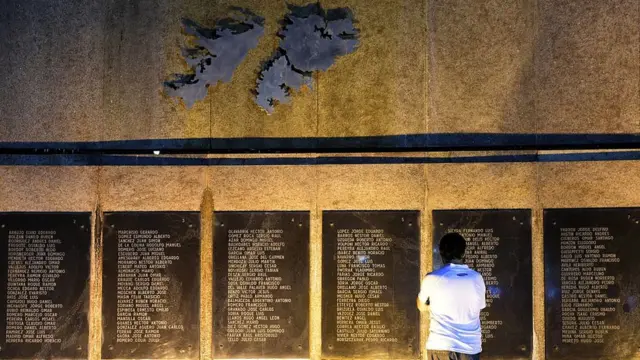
(387, 143)
(154, 160)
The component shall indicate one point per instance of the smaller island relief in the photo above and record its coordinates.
(312, 38)
(216, 54)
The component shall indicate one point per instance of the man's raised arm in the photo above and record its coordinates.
(423, 297)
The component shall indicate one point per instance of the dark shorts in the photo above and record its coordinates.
(450, 355)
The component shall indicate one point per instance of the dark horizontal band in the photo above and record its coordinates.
(392, 143)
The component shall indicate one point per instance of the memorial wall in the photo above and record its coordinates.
(92, 75)
(261, 179)
(150, 285)
(45, 282)
(318, 262)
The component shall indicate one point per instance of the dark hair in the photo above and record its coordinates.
(452, 247)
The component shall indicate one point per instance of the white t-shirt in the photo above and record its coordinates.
(456, 295)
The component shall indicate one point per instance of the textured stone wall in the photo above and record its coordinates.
(423, 187)
(94, 71)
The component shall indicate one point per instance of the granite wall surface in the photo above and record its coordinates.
(94, 71)
(450, 184)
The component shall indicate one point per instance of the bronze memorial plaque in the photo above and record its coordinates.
(592, 283)
(151, 285)
(261, 285)
(44, 285)
(370, 278)
(499, 248)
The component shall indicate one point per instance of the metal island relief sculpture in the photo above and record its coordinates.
(217, 54)
(311, 40)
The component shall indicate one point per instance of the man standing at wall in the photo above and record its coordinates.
(454, 296)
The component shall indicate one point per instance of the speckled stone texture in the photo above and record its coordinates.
(381, 88)
(93, 71)
(481, 65)
(596, 184)
(142, 48)
(316, 188)
(274, 188)
(492, 186)
(234, 111)
(58, 189)
(156, 189)
(582, 185)
(48, 188)
(587, 66)
(51, 66)
(151, 188)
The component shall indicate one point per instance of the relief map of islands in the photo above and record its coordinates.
(311, 38)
